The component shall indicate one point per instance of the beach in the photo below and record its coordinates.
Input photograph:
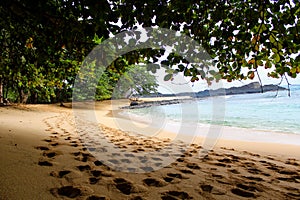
(45, 156)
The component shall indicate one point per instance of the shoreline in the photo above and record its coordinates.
(44, 156)
(111, 116)
(228, 132)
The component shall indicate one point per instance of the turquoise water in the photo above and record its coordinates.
(263, 111)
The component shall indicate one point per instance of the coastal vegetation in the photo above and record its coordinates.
(43, 43)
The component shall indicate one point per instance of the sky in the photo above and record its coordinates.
(182, 84)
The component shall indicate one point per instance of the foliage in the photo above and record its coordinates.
(43, 43)
(136, 81)
(240, 36)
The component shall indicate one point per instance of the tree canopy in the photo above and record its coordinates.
(43, 43)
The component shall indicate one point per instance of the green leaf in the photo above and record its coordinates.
(268, 65)
(274, 50)
(212, 72)
(272, 39)
(277, 57)
(293, 70)
(181, 67)
(202, 74)
(193, 79)
(168, 77)
(260, 62)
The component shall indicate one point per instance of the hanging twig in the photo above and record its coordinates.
(259, 79)
(289, 89)
(278, 86)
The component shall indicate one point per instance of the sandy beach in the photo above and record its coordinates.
(44, 156)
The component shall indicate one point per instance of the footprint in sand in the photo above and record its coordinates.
(96, 173)
(288, 179)
(76, 153)
(253, 178)
(98, 163)
(221, 165)
(175, 195)
(147, 169)
(45, 163)
(153, 182)
(242, 193)
(54, 144)
(254, 170)
(84, 168)
(93, 180)
(225, 160)
(114, 161)
(248, 187)
(51, 154)
(251, 154)
(168, 179)
(186, 171)
(273, 167)
(234, 171)
(91, 149)
(174, 177)
(292, 161)
(180, 160)
(94, 197)
(287, 172)
(218, 176)
(123, 185)
(54, 137)
(156, 159)
(124, 160)
(270, 158)
(60, 174)
(129, 155)
(42, 148)
(74, 145)
(67, 191)
(83, 157)
(206, 188)
(137, 198)
(192, 166)
(48, 140)
(68, 138)
(293, 192)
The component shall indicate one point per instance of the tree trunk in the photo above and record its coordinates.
(23, 96)
(61, 99)
(1, 92)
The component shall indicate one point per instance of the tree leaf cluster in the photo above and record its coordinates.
(43, 43)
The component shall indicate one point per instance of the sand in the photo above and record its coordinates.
(43, 157)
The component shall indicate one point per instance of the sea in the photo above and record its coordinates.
(269, 116)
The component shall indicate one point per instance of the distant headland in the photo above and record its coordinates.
(250, 88)
(165, 99)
